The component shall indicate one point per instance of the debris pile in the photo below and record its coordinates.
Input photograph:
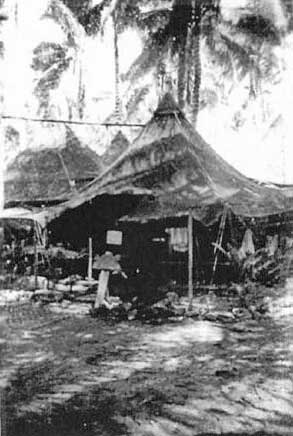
(238, 303)
(150, 312)
(72, 288)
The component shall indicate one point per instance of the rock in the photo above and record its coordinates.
(227, 372)
(127, 306)
(132, 315)
(241, 313)
(62, 287)
(80, 289)
(47, 296)
(220, 316)
(39, 292)
(4, 329)
(77, 309)
(237, 289)
(29, 283)
(289, 283)
(88, 283)
(209, 317)
(173, 297)
(180, 311)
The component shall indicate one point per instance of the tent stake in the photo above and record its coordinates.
(190, 260)
(90, 263)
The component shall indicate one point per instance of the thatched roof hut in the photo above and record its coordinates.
(172, 164)
(118, 146)
(49, 175)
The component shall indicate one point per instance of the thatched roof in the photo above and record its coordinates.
(50, 174)
(117, 147)
(171, 163)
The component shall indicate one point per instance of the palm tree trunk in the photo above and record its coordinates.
(118, 105)
(196, 61)
(81, 93)
(197, 76)
(181, 78)
(188, 51)
(2, 153)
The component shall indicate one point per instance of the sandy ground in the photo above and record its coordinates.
(64, 375)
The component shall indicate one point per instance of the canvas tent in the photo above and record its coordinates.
(50, 175)
(179, 173)
(19, 213)
(170, 172)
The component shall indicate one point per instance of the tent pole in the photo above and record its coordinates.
(190, 260)
(90, 263)
(219, 242)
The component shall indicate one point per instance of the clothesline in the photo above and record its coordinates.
(76, 122)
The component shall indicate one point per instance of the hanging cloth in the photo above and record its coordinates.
(247, 246)
(272, 244)
(178, 239)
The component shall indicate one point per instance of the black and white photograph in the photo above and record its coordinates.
(146, 217)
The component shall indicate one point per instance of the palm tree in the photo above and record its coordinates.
(2, 150)
(118, 104)
(177, 29)
(243, 45)
(51, 60)
(121, 13)
(179, 26)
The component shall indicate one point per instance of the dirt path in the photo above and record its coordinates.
(79, 376)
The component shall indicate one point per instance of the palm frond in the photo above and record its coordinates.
(152, 21)
(91, 19)
(50, 80)
(259, 27)
(136, 98)
(151, 56)
(63, 16)
(47, 54)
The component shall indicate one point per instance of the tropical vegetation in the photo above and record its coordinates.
(215, 57)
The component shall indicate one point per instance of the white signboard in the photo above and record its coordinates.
(114, 237)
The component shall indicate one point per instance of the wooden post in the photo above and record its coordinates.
(35, 256)
(90, 263)
(2, 413)
(190, 260)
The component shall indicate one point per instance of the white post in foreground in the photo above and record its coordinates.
(190, 260)
(102, 289)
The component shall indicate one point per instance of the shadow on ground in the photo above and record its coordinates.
(84, 377)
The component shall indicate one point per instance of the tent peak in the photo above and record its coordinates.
(167, 105)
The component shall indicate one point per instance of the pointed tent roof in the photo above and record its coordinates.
(171, 162)
(117, 146)
(50, 174)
